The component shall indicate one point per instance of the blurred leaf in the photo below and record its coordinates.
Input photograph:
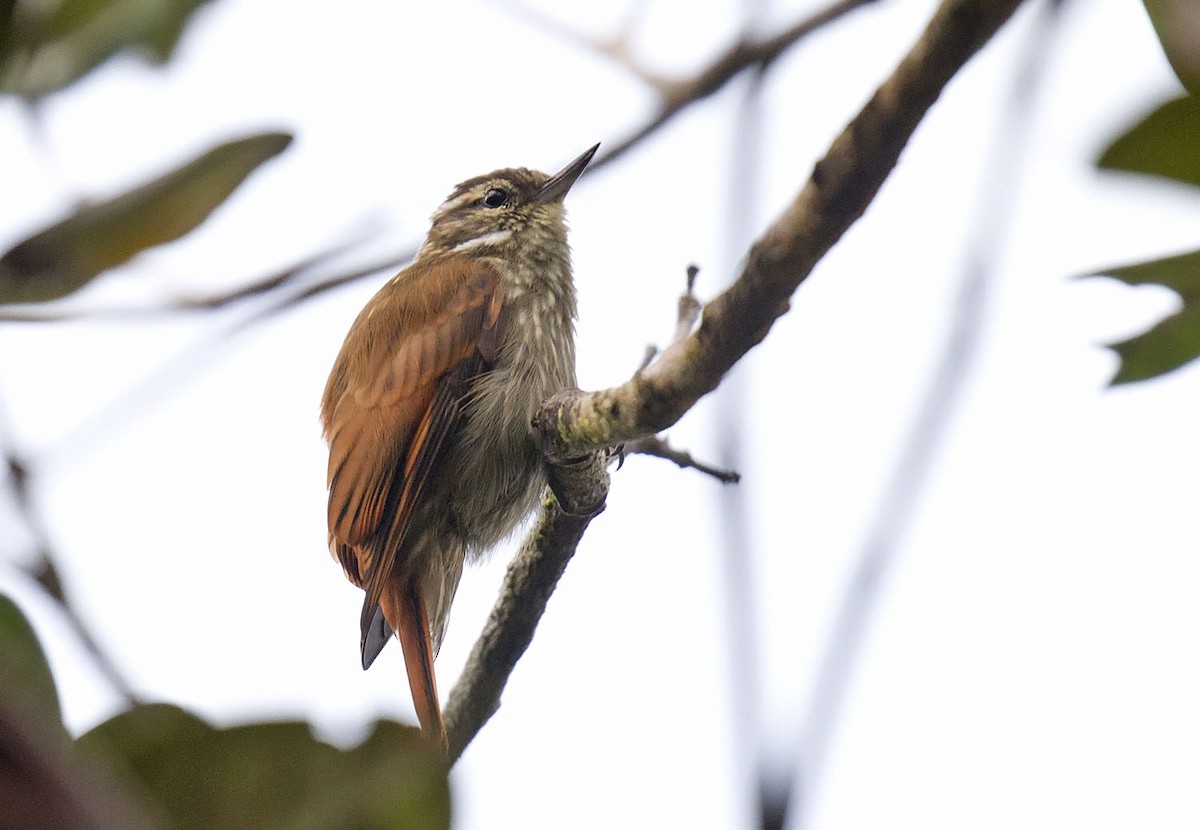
(66, 256)
(51, 45)
(26, 672)
(8, 10)
(275, 775)
(1173, 341)
(1177, 23)
(42, 782)
(1164, 143)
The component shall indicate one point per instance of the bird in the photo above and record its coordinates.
(429, 405)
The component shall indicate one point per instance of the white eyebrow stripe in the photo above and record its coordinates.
(455, 203)
(492, 238)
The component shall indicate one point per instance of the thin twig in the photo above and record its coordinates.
(617, 47)
(183, 366)
(648, 357)
(688, 311)
(275, 282)
(46, 574)
(685, 318)
(657, 446)
(44, 571)
(736, 59)
(319, 287)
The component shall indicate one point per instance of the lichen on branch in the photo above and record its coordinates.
(839, 189)
(574, 424)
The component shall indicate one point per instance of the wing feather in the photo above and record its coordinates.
(391, 402)
(426, 446)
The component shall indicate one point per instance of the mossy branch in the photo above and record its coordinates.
(838, 191)
(574, 425)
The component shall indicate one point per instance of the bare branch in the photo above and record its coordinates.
(530, 580)
(270, 284)
(648, 357)
(658, 447)
(45, 573)
(283, 278)
(678, 95)
(319, 287)
(573, 423)
(685, 320)
(838, 191)
(616, 47)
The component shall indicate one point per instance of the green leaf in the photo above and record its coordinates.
(26, 674)
(275, 775)
(1177, 24)
(67, 255)
(8, 10)
(51, 45)
(43, 782)
(1173, 341)
(1165, 143)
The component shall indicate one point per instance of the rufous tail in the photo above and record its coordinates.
(404, 608)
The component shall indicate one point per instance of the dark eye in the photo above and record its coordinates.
(496, 197)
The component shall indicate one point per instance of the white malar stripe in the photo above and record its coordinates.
(493, 238)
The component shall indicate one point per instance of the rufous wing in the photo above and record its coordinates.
(394, 397)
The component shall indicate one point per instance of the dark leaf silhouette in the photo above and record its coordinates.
(1173, 341)
(48, 46)
(1164, 143)
(67, 255)
(1177, 24)
(27, 676)
(274, 775)
(43, 782)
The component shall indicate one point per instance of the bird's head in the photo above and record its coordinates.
(504, 212)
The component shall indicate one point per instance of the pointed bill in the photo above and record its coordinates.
(555, 189)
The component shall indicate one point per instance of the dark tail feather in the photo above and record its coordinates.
(375, 636)
(404, 608)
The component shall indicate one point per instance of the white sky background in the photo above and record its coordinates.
(1032, 662)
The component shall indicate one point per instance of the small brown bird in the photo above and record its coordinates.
(429, 405)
